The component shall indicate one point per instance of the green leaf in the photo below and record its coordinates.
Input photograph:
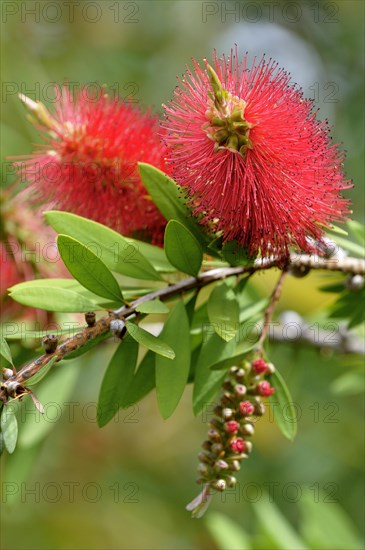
(167, 196)
(354, 248)
(234, 360)
(54, 394)
(332, 228)
(358, 231)
(350, 383)
(182, 249)
(88, 269)
(276, 526)
(117, 378)
(5, 350)
(152, 306)
(227, 533)
(208, 381)
(88, 346)
(143, 381)
(118, 253)
(51, 298)
(324, 523)
(235, 254)
(172, 376)
(150, 341)
(285, 414)
(40, 374)
(154, 254)
(9, 428)
(223, 311)
(335, 287)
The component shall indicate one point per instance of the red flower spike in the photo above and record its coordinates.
(259, 366)
(231, 426)
(238, 445)
(246, 408)
(264, 389)
(254, 160)
(88, 164)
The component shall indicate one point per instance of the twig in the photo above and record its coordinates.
(13, 387)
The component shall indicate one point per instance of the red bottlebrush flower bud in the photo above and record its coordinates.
(259, 366)
(256, 163)
(231, 426)
(246, 408)
(264, 388)
(238, 445)
(88, 164)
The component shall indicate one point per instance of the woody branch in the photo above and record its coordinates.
(13, 387)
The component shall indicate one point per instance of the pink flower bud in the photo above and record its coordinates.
(246, 408)
(231, 426)
(264, 389)
(238, 445)
(259, 366)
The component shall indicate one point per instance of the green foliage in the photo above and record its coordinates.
(349, 305)
(88, 269)
(172, 375)
(9, 428)
(150, 341)
(182, 248)
(41, 373)
(152, 306)
(207, 381)
(54, 392)
(88, 346)
(5, 350)
(223, 311)
(118, 253)
(285, 414)
(143, 382)
(54, 295)
(117, 379)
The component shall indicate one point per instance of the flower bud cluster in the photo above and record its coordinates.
(229, 431)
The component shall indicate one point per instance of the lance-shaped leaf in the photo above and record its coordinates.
(9, 428)
(88, 269)
(285, 413)
(167, 196)
(5, 350)
(172, 376)
(182, 248)
(41, 373)
(150, 341)
(223, 311)
(358, 231)
(143, 382)
(118, 253)
(207, 381)
(52, 297)
(117, 379)
(152, 306)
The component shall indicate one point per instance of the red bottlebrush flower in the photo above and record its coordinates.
(254, 160)
(27, 250)
(259, 366)
(88, 164)
(264, 389)
(246, 408)
(238, 445)
(231, 426)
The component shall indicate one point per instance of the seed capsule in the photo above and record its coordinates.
(50, 342)
(90, 318)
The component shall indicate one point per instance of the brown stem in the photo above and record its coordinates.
(269, 311)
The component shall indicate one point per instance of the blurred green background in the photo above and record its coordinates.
(126, 486)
